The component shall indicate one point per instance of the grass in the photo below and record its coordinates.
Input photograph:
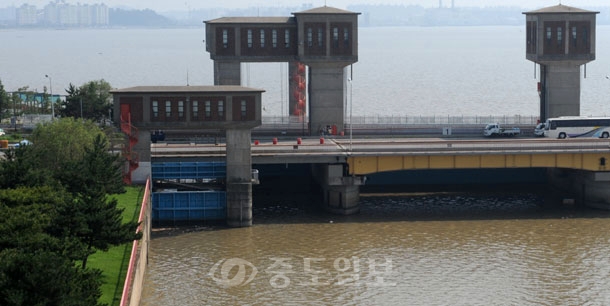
(114, 262)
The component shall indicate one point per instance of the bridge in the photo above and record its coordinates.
(340, 165)
(365, 155)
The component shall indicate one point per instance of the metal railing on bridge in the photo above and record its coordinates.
(282, 121)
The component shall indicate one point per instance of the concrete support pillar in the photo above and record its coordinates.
(596, 190)
(341, 193)
(143, 171)
(562, 89)
(239, 177)
(586, 187)
(227, 73)
(326, 101)
(342, 200)
(239, 204)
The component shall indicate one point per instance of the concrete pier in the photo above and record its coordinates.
(239, 178)
(239, 204)
(342, 200)
(562, 89)
(326, 101)
(341, 193)
(586, 187)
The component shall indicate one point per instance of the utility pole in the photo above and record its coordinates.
(52, 102)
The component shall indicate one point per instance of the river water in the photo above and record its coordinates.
(459, 248)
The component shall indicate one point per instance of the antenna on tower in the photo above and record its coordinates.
(187, 77)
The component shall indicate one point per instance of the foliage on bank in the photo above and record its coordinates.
(55, 214)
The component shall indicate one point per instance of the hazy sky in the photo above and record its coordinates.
(166, 5)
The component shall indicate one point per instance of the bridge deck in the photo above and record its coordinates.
(387, 154)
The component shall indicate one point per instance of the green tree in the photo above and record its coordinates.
(55, 213)
(98, 170)
(17, 104)
(28, 102)
(46, 278)
(97, 174)
(66, 152)
(103, 225)
(21, 168)
(63, 141)
(74, 155)
(93, 100)
(35, 264)
(71, 106)
(4, 101)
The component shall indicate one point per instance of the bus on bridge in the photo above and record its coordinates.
(564, 127)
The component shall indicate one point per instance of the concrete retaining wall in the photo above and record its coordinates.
(134, 280)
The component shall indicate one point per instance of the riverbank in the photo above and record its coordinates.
(113, 263)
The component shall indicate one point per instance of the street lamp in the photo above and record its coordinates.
(52, 103)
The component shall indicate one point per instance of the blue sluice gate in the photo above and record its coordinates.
(189, 170)
(189, 205)
(172, 205)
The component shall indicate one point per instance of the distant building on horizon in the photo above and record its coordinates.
(27, 15)
(62, 14)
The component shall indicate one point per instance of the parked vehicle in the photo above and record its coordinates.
(494, 129)
(564, 127)
(539, 129)
(24, 142)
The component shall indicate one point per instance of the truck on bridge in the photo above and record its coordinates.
(494, 129)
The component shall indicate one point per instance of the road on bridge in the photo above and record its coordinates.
(343, 147)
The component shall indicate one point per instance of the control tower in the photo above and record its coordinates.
(560, 38)
(317, 43)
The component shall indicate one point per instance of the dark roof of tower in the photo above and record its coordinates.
(325, 10)
(281, 20)
(560, 9)
(186, 89)
(277, 20)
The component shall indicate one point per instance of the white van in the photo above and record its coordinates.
(539, 130)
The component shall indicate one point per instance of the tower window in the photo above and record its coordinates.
(559, 36)
(336, 37)
(180, 109)
(346, 37)
(155, 109)
(195, 109)
(262, 38)
(225, 38)
(168, 108)
(274, 38)
(549, 35)
(243, 109)
(287, 38)
(208, 109)
(585, 37)
(320, 38)
(309, 37)
(249, 38)
(574, 33)
(221, 109)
